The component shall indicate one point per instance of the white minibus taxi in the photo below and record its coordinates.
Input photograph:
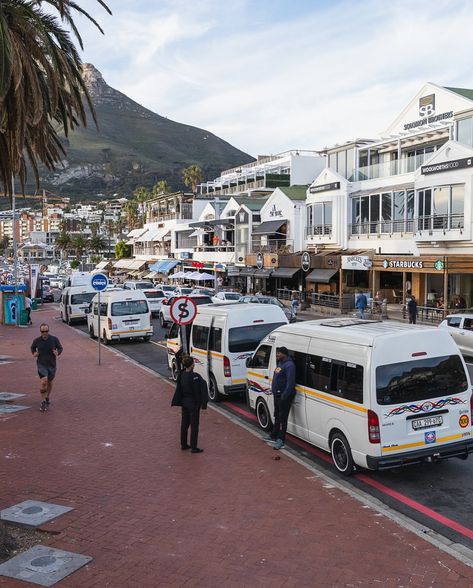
(74, 302)
(124, 314)
(222, 338)
(375, 394)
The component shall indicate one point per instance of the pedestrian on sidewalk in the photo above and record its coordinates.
(28, 309)
(294, 305)
(412, 310)
(283, 390)
(361, 304)
(46, 349)
(191, 394)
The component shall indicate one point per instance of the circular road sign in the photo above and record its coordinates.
(183, 310)
(99, 282)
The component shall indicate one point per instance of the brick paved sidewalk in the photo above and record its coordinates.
(151, 515)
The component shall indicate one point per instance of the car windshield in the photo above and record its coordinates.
(154, 294)
(84, 298)
(202, 300)
(126, 307)
(144, 285)
(186, 290)
(247, 338)
(410, 381)
(231, 296)
(168, 288)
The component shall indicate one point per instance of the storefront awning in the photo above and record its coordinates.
(102, 265)
(285, 272)
(247, 271)
(123, 263)
(164, 266)
(263, 273)
(321, 276)
(269, 227)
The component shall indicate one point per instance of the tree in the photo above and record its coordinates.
(41, 85)
(4, 243)
(131, 213)
(74, 264)
(63, 243)
(79, 245)
(122, 250)
(192, 176)
(161, 187)
(97, 244)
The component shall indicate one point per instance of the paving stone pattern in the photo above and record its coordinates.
(152, 515)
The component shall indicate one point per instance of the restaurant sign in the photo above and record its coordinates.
(444, 166)
(324, 187)
(356, 262)
(402, 264)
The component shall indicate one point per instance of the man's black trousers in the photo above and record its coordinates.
(281, 414)
(190, 418)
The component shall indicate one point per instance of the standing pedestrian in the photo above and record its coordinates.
(283, 390)
(46, 349)
(294, 305)
(412, 310)
(28, 309)
(361, 304)
(192, 395)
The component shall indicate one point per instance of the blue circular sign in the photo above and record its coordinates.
(99, 282)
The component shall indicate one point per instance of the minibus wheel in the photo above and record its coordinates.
(174, 370)
(214, 394)
(162, 322)
(341, 454)
(91, 332)
(262, 414)
(104, 339)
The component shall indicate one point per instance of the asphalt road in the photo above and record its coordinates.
(437, 495)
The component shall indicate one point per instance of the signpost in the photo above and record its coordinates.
(99, 282)
(183, 311)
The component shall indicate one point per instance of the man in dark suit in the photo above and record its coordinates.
(192, 395)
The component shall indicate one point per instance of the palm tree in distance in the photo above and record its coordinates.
(79, 245)
(161, 187)
(192, 176)
(63, 243)
(131, 214)
(97, 244)
(41, 85)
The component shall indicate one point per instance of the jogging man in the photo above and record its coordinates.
(283, 389)
(46, 349)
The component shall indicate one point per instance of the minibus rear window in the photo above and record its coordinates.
(409, 381)
(154, 294)
(82, 298)
(247, 338)
(126, 307)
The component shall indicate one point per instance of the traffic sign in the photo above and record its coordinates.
(99, 282)
(183, 310)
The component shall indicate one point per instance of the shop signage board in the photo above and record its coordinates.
(356, 262)
(444, 166)
(424, 264)
(402, 264)
(324, 187)
(274, 212)
(305, 261)
(259, 260)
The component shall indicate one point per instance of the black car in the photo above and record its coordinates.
(47, 295)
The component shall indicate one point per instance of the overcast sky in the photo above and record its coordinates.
(272, 75)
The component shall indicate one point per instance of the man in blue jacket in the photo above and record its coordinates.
(283, 390)
(361, 303)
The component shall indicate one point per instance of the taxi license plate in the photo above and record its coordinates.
(427, 422)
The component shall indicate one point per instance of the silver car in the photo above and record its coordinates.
(460, 327)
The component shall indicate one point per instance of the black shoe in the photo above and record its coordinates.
(196, 450)
(184, 447)
(47, 402)
(44, 406)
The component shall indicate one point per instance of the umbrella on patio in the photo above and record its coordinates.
(177, 275)
(206, 276)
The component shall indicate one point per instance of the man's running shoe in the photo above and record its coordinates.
(47, 402)
(44, 406)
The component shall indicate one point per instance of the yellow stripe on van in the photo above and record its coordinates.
(203, 352)
(256, 375)
(198, 351)
(422, 443)
(125, 332)
(450, 437)
(331, 399)
(241, 381)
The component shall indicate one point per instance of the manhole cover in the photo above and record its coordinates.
(32, 513)
(7, 396)
(8, 408)
(43, 565)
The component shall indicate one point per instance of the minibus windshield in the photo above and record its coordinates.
(82, 298)
(127, 307)
(408, 381)
(247, 338)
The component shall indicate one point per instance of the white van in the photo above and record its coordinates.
(375, 394)
(222, 338)
(75, 300)
(79, 279)
(124, 314)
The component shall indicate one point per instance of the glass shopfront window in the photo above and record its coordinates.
(465, 131)
(319, 219)
(441, 207)
(389, 212)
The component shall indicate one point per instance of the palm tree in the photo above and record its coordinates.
(79, 244)
(63, 243)
(41, 85)
(161, 187)
(131, 211)
(97, 244)
(192, 176)
(141, 194)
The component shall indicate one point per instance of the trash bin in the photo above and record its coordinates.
(34, 304)
(23, 318)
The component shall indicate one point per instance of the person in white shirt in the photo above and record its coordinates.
(28, 309)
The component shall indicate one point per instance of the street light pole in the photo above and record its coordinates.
(15, 251)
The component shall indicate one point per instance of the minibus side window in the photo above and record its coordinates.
(200, 335)
(300, 360)
(353, 383)
(261, 357)
(173, 331)
(335, 377)
(324, 374)
(103, 309)
(313, 371)
(215, 343)
(95, 308)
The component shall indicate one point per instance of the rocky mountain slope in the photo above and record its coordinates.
(133, 146)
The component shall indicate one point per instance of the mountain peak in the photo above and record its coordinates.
(93, 79)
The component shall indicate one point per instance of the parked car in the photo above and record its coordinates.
(183, 290)
(226, 297)
(270, 300)
(168, 289)
(165, 312)
(155, 299)
(460, 327)
(138, 285)
(47, 294)
(203, 291)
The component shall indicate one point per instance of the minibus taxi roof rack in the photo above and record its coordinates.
(348, 322)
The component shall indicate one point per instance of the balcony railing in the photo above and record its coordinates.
(447, 222)
(318, 231)
(389, 168)
(185, 213)
(281, 246)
